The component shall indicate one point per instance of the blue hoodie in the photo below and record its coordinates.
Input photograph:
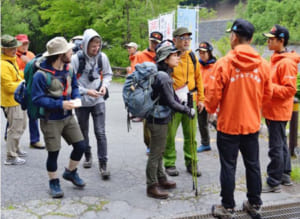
(42, 99)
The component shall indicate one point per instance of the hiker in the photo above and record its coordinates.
(132, 51)
(11, 77)
(278, 110)
(147, 55)
(57, 100)
(187, 78)
(207, 61)
(167, 57)
(238, 77)
(23, 57)
(93, 88)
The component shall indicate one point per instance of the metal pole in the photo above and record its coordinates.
(294, 128)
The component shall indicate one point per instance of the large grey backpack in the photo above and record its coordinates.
(137, 92)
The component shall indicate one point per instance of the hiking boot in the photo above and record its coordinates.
(22, 153)
(267, 188)
(189, 169)
(203, 148)
(166, 184)
(105, 174)
(154, 192)
(55, 190)
(37, 145)
(252, 210)
(172, 171)
(220, 212)
(73, 177)
(286, 180)
(14, 161)
(88, 161)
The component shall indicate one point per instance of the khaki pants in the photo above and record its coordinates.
(17, 120)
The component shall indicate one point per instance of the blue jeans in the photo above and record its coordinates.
(98, 115)
(278, 152)
(34, 130)
(229, 146)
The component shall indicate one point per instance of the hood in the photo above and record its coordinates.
(87, 36)
(244, 57)
(291, 55)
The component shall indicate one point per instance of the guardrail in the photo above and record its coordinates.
(119, 71)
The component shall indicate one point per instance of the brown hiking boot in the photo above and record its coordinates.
(166, 184)
(154, 192)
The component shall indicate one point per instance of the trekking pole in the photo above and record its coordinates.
(193, 151)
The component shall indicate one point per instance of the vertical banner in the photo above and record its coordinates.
(189, 18)
(166, 25)
(153, 25)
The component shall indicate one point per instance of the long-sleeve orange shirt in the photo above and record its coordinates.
(240, 83)
(20, 62)
(284, 81)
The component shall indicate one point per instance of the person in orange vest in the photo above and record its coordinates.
(23, 57)
(207, 61)
(278, 110)
(132, 51)
(240, 84)
(147, 55)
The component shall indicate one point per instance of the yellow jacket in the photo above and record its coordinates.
(185, 72)
(10, 79)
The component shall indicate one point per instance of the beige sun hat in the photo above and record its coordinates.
(57, 45)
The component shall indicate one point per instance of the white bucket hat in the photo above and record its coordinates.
(57, 45)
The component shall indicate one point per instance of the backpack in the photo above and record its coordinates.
(81, 68)
(23, 93)
(137, 93)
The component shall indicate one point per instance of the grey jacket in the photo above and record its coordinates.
(91, 63)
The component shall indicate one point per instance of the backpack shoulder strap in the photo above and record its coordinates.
(99, 61)
(193, 57)
(81, 60)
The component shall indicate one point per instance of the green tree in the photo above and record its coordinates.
(264, 14)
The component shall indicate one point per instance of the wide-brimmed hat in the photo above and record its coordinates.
(22, 38)
(164, 49)
(57, 45)
(8, 41)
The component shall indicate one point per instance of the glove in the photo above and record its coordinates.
(192, 113)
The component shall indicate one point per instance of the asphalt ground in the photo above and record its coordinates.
(24, 189)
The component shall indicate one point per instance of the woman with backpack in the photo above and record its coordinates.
(167, 57)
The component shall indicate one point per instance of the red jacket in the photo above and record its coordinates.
(240, 83)
(284, 76)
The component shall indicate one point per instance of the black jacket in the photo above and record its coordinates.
(163, 87)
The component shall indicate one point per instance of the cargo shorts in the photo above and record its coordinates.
(53, 130)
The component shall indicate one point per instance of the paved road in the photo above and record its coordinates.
(24, 188)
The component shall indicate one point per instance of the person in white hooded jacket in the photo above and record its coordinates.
(94, 75)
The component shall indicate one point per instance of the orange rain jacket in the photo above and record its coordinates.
(206, 71)
(20, 62)
(140, 57)
(284, 76)
(132, 62)
(240, 83)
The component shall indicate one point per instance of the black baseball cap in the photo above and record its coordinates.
(243, 28)
(278, 32)
(156, 36)
(204, 46)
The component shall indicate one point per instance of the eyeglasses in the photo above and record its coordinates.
(184, 38)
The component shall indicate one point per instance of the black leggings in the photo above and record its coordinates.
(78, 149)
